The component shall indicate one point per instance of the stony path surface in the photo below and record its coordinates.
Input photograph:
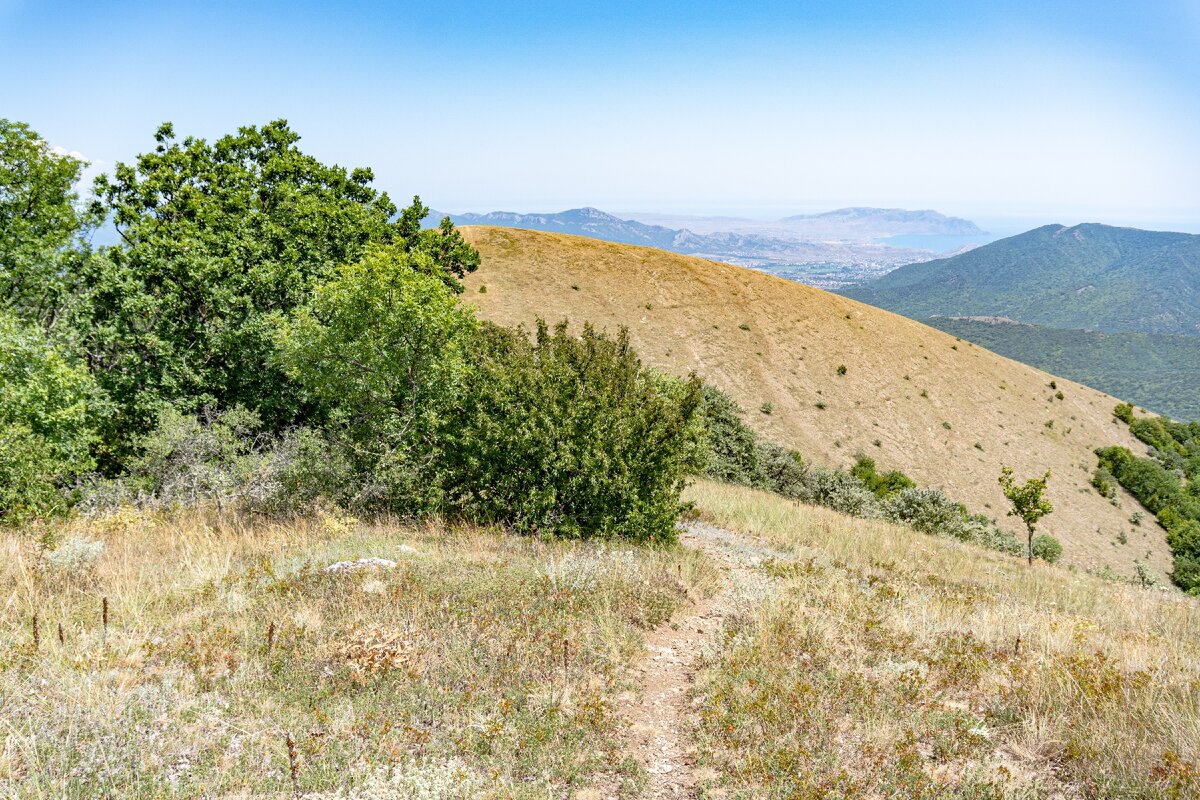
(661, 715)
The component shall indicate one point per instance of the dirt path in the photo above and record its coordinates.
(661, 716)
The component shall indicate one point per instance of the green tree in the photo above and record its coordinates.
(382, 347)
(40, 224)
(46, 407)
(215, 238)
(1029, 503)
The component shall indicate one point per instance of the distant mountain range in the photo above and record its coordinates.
(828, 250)
(858, 224)
(1087, 277)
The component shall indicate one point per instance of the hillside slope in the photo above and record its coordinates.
(1158, 371)
(925, 398)
(1090, 277)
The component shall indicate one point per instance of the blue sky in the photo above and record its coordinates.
(1032, 111)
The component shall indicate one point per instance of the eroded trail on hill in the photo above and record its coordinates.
(662, 715)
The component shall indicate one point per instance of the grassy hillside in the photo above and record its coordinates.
(792, 652)
(866, 664)
(1090, 277)
(480, 664)
(1156, 371)
(948, 413)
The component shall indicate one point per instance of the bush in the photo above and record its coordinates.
(382, 347)
(570, 436)
(1047, 548)
(47, 407)
(926, 510)
(882, 485)
(1124, 412)
(930, 511)
(842, 492)
(731, 443)
(218, 457)
(76, 556)
(780, 470)
(1104, 482)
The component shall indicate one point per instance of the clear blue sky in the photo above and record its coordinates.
(1048, 111)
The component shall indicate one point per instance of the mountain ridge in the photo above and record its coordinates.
(1087, 277)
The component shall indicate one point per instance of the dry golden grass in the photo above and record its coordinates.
(482, 664)
(886, 663)
(926, 398)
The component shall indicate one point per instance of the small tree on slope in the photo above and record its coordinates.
(1028, 501)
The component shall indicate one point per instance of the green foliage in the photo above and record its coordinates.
(40, 224)
(1164, 493)
(930, 511)
(382, 349)
(571, 436)
(735, 454)
(841, 369)
(780, 470)
(840, 491)
(1028, 500)
(883, 485)
(1154, 486)
(215, 239)
(732, 444)
(1104, 482)
(1047, 548)
(47, 410)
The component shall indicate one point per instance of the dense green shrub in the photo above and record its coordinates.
(1163, 493)
(780, 470)
(1047, 548)
(1104, 482)
(383, 350)
(570, 436)
(732, 444)
(1153, 485)
(931, 511)
(47, 410)
(883, 485)
(1124, 412)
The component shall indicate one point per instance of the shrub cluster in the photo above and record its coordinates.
(1165, 483)
(287, 335)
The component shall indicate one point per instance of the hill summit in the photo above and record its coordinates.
(1087, 277)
